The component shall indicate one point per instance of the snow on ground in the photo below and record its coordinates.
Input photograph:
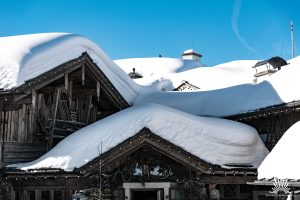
(25, 57)
(282, 162)
(153, 67)
(217, 141)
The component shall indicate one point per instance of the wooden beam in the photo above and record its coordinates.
(34, 110)
(70, 90)
(82, 74)
(67, 82)
(98, 91)
(211, 179)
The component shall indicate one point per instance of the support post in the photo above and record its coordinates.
(67, 82)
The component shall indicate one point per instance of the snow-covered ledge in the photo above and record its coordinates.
(148, 185)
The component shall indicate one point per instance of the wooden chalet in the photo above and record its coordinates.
(167, 172)
(38, 114)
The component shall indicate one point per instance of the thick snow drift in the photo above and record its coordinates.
(206, 78)
(159, 66)
(281, 87)
(283, 162)
(216, 141)
(25, 57)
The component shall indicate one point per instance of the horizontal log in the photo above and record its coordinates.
(10, 148)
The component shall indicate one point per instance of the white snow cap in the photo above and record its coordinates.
(226, 89)
(216, 141)
(25, 57)
(206, 78)
(283, 162)
(281, 87)
(190, 51)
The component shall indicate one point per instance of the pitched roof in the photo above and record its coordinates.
(25, 57)
(216, 141)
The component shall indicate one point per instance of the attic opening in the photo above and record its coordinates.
(71, 102)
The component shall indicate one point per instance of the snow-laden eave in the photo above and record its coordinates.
(25, 57)
(226, 141)
(144, 137)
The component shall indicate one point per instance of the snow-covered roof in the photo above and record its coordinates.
(283, 162)
(281, 87)
(225, 90)
(157, 66)
(206, 78)
(216, 141)
(191, 51)
(25, 57)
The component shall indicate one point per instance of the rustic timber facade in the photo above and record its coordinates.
(144, 164)
(44, 110)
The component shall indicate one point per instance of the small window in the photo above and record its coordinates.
(45, 195)
(31, 195)
(58, 195)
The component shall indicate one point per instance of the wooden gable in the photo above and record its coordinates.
(41, 112)
(147, 148)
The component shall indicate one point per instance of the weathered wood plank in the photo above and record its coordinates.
(2, 121)
(82, 74)
(17, 147)
(33, 111)
(12, 126)
(67, 82)
(8, 126)
(70, 91)
(98, 91)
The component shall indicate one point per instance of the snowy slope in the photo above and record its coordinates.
(156, 66)
(283, 162)
(216, 141)
(24, 57)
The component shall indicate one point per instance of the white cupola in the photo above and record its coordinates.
(191, 54)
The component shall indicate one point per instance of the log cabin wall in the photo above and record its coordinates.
(17, 136)
(15, 125)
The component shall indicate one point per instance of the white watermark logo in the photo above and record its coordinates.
(280, 186)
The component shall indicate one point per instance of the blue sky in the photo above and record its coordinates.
(222, 30)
